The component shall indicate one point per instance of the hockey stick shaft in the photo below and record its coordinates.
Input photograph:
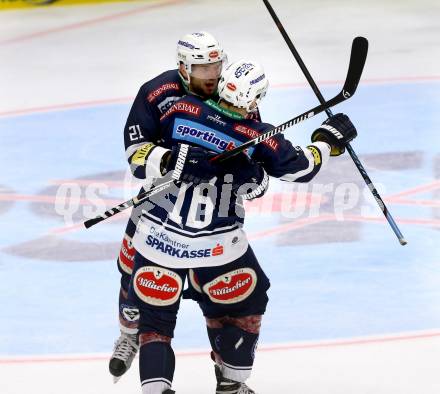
(127, 204)
(221, 157)
(357, 60)
(321, 99)
(358, 56)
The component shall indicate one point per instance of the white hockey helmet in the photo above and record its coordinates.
(199, 48)
(243, 84)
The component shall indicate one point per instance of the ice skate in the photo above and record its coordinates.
(124, 352)
(227, 386)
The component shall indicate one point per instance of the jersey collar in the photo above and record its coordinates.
(224, 111)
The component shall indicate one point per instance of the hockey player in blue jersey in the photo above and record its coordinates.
(196, 230)
(200, 59)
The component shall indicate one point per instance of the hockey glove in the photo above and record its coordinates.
(337, 131)
(191, 164)
(248, 177)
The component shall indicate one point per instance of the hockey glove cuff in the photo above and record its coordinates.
(191, 164)
(337, 131)
(248, 177)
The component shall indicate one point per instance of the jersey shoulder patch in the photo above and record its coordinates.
(167, 83)
(254, 130)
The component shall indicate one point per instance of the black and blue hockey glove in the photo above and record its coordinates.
(337, 131)
(248, 178)
(191, 164)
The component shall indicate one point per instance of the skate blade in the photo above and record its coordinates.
(116, 379)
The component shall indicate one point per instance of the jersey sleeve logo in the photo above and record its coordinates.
(316, 154)
(252, 133)
(161, 89)
(141, 155)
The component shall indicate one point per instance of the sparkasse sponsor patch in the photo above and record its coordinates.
(182, 251)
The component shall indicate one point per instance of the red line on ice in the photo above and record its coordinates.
(61, 107)
(52, 199)
(268, 348)
(135, 184)
(288, 227)
(416, 190)
(407, 201)
(366, 81)
(123, 100)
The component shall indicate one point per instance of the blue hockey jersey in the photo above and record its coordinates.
(202, 226)
(154, 98)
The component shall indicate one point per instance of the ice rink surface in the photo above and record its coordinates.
(351, 311)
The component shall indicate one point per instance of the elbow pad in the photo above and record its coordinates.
(314, 157)
(146, 161)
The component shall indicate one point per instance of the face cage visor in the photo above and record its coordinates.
(253, 105)
(207, 71)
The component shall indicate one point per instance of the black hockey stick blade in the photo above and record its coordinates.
(357, 60)
(358, 57)
(359, 51)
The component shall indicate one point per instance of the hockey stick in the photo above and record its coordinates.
(357, 60)
(321, 99)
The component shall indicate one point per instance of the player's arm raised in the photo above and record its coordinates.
(301, 164)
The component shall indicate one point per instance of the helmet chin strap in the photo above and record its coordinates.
(252, 107)
(185, 81)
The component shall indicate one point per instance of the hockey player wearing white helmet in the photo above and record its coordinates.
(201, 237)
(242, 86)
(200, 59)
